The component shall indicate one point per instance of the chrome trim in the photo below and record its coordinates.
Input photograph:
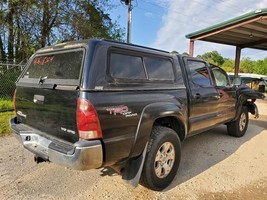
(85, 154)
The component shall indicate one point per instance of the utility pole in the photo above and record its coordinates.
(129, 4)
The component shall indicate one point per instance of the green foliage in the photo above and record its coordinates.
(261, 66)
(88, 19)
(6, 104)
(212, 57)
(228, 65)
(246, 64)
(30, 25)
(174, 52)
(4, 122)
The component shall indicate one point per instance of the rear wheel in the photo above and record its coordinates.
(239, 127)
(162, 159)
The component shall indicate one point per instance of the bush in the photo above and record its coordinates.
(4, 123)
(6, 105)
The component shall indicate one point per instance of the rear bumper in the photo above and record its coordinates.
(81, 155)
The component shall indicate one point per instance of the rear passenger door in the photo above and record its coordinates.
(204, 98)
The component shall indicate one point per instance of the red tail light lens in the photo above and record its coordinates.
(87, 120)
(14, 100)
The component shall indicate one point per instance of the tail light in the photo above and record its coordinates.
(14, 100)
(87, 120)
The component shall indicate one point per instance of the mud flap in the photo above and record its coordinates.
(132, 172)
(257, 115)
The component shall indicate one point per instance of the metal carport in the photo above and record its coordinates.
(246, 31)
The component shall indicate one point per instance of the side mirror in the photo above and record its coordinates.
(237, 81)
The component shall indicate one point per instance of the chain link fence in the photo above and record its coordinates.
(8, 76)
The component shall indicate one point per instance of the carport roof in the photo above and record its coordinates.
(246, 31)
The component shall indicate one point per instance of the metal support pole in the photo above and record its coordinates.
(237, 60)
(129, 21)
(191, 47)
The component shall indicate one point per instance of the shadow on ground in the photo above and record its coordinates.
(262, 121)
(202, 151)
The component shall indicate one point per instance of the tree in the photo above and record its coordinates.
(174, 52)
(9, 19)
(2, 50)
(247, 65)
(228, 65)
(261, 67)
(212, 57)
(29, 25)
(50, 10)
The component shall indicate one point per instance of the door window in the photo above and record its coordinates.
(221, 77)
(199, 73)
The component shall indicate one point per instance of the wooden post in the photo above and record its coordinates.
(191, 47)
(237, 60)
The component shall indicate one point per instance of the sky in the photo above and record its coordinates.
(163, 24)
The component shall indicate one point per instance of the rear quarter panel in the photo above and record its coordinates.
(120, 114)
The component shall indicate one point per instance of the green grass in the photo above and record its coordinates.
(4, 122)
(6, 105)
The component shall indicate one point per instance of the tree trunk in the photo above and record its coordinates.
(2, 51)
(18, 41)
(45, 23)
(10, 46)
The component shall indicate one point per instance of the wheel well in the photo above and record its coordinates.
(173, 123)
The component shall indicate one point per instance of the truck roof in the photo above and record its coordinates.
(82, 43)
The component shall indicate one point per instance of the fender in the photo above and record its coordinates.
(243, 94)
(246, 92)
(149, 114)
(134, 165)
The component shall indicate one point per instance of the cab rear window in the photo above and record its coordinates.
(58, 65)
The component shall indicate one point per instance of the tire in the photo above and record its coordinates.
(239, 127)
(162, 158)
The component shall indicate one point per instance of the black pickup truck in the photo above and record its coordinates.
(96, 103)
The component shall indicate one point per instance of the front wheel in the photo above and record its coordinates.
(239, 127)
(162, 159)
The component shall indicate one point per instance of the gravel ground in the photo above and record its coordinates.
(213, 166)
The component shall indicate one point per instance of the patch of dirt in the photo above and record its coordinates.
(256, 191)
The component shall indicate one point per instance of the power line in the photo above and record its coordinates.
(228, 5)
(174, 18)
(196, 1)
(179, 13)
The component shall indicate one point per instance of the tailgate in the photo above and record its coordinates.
(47, 92)
(50, 111)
